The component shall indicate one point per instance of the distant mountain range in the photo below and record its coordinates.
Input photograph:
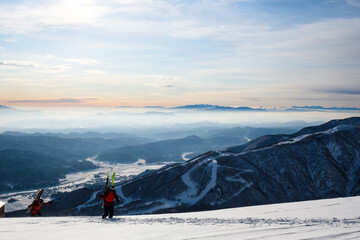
(209, 107)
(173, 150)
(5, 108)
(203, 107)
(320, 108)
(314, 163)
(39, 160)
(24, 169)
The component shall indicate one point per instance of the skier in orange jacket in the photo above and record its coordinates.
(35, 207)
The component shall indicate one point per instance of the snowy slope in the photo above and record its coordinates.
(322, 219)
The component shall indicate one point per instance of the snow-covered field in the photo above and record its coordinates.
(321, 219)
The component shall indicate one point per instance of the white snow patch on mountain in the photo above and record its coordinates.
(330, 131)
(86, 204)
(339, 128)
(184, 155)
(294, 140)
(335, 150)
(337, 219)
(191, 196)
(121, 195)
(140, 162)
(238, 178)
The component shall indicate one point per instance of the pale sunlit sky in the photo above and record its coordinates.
(109, 53)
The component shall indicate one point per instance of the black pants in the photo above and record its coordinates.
(108, 210)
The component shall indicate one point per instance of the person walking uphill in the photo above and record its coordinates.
(34, 208)
(109, 196)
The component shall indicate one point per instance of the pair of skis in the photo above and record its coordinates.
(112, 180)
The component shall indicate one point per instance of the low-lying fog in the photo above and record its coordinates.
(128, 119)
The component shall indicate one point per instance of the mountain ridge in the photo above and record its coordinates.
(316, 163)
(277, 179)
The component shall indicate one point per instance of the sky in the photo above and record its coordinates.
(108, 53)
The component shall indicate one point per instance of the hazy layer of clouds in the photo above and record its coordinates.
(35, 65)
(59, 100)
(341, 91)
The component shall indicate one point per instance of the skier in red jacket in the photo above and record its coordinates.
(35, 207)
(109, 196)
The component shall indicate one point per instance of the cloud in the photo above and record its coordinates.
(157, 81)
(30, 64)
(355, 3)
(34, 16)
(85, 61)
(340, 91)
(217, 47)
(58, 100)
(173, 18)
(94, 72)
(10, 39)
(68, 14)
(17, 63)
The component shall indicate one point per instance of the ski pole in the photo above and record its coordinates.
(117, 207)
(97, 204)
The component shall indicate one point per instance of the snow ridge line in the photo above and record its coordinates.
(293, 140)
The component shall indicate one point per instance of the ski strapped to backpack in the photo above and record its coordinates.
(38, 196)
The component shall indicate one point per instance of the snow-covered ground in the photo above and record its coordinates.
(322, 219)
(73, 181)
